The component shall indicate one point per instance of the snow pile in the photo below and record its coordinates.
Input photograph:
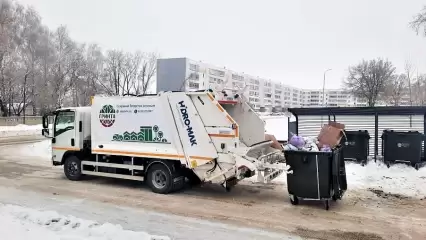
(20, 130)
(42, 149)
(398, 179)
(277, 127)
(19, 223)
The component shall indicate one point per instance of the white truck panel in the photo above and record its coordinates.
(196, 142)
(251, 126)
(131, 126)
(208, 110)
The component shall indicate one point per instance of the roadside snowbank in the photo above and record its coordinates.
(20, 223)
(398, 179)
(20, 130)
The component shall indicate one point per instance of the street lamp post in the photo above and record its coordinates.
(323, 93)
(323, 88)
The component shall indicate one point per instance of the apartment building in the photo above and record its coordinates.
(330, 98)
(183, 74)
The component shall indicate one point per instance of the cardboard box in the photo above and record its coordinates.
(331, 134)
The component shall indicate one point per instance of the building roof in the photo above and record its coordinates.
(399, 110)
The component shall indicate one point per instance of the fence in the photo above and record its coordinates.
(13, 121)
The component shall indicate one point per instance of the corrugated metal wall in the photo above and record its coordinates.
(311, 125)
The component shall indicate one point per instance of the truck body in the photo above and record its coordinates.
(163, 139)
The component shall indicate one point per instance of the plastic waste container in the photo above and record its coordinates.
(355, 146)
(315, 176)
(405, 147)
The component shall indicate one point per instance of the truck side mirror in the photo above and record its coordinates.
(45, 132)
(45, 121)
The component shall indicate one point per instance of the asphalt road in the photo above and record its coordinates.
(249, 211)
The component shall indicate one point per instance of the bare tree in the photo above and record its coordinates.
(146, 73)
(368, 79)
(88, 84)
(128, 73)
(113, 72)
(419, 90)
(46, 69)
(409, 72)
(64, 49)
(7, 46)
(396, 89)
(418, 23)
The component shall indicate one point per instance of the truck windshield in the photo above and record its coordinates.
(64, 122)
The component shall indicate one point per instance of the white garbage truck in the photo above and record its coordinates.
(163, 139)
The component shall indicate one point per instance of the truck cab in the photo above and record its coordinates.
(69, 132)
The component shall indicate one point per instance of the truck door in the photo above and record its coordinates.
(64, 135)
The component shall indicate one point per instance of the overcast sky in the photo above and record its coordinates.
(288, 41)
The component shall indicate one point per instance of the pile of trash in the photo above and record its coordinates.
(328, 138)
(309, 144)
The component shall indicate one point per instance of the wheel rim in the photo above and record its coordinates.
(73, 168)
(159, 179)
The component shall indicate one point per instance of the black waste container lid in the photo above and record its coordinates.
(389, 132)
(358, 132)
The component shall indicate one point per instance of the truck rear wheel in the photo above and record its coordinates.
(72, 168)
(160, 179)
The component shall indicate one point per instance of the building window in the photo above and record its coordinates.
(253, 87)
(254, 81)
(193, 85)
(194, 76)
(252, 100)
(194, 67)
(237, 77)
(268, 95)
(215, 80)
(253, 93)
(215, 72)
(238, 84)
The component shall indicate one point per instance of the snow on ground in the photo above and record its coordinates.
(398, 179)
(134, 219)
(42, 149)
(20, 130)
(20, 223)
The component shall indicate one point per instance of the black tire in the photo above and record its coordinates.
(72, 168)
(162, 179)
(294, 200)
(388, 165)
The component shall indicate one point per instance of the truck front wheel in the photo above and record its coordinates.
(159, 179)
(72, 168)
